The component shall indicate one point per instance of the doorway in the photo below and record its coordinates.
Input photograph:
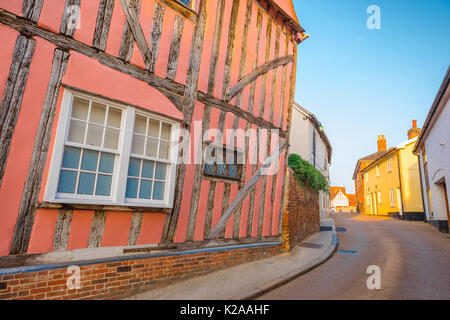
(444, 185)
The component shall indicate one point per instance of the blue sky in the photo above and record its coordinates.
(361, 83)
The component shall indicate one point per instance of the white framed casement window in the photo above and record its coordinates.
(367, 177)
(111, 154)
(389, 165)
(392, 197)
(378, 170)
(379, 197)
(368, 200)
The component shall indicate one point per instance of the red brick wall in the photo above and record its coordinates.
(116, 280)
(302, 215)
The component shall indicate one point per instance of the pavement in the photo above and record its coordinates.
(413, 259)
(253, 279)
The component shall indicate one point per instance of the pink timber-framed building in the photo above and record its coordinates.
(93, 92)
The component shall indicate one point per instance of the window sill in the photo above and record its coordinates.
(218, 178)
(180, 8)
(107, 207)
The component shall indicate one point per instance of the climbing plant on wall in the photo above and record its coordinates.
(307, 174)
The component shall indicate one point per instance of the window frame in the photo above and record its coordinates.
(389, 165)
(239, 153)
(379, 197)
(392, 198)
(377, 169)
(123, 154)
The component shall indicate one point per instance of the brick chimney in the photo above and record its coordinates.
(414, 131)
(381, 143)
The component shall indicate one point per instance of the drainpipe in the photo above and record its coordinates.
(422, 169)
(400, 183)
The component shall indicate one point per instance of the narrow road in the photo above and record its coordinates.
(414, 259)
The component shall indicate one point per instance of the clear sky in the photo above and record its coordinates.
(361, 83)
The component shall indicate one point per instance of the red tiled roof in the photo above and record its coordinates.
(335, 190)
(351, 200)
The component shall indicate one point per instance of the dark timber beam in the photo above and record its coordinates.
(166, 86)
(255, 74)
(29, 203)
(13, 94)
(136, 29)
(103, 23)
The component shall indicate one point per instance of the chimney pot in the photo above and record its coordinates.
(381, 143)
(414, 131)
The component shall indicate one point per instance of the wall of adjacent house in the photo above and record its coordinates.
(301, 143)
(384, 183)
(437, 147)
(410, 175)
(299, 138)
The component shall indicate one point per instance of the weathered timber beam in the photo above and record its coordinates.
(31, 189)
(13, 94)
(155, 38)
(31, 9)
(127, 44)
(189, 99)
(244, 192)
(62, 229)
(174, 53)
(166, 86)
(97, 229)
(255, 74)
(135, 26)
(103, 23)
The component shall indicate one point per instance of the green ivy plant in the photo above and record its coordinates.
(306, 174)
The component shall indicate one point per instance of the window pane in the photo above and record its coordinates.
(132, 186)
(209, 168)
(71, 157)
(160, 172)
(158, 191)
(166, 130)
(147, 169)
(86, 183)
(140, 125)
(80, 108)
(153, 129)
(98, 113)
(152, 147)
(221, 169)
(164, 150)
(111, 138)
(89, 161)
(94, 135)
(134, 168)
(232, 170)
(146, 189)
(76, 131)
(106, 163)
(103, 185)
(67, 181)
(138, 144)
(114, 117)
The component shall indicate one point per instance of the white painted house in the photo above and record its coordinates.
(433, 149)
(308, 140)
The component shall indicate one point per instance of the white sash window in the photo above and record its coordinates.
(108, 153)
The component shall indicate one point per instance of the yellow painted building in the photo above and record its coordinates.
(392, 184)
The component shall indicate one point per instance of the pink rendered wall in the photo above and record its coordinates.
(23, 139)
(90, 75)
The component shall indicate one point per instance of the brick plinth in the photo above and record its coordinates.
(119, 279)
